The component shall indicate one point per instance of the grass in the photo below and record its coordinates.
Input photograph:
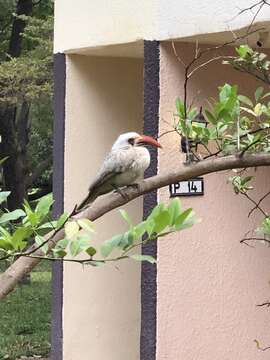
(25, 317)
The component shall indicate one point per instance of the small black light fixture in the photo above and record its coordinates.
(188, 146)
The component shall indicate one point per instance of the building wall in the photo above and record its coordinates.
(208, 284)
(101, 310)
(98, 23)
(101, 23)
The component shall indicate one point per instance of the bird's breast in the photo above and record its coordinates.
(139, 160)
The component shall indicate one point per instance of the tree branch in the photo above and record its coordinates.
(106, 203)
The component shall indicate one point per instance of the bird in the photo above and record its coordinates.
(123, 166)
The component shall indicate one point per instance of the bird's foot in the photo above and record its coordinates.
(119, 191)
(135, 186)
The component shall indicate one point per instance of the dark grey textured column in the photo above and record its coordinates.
(149, 271)
(58, 193)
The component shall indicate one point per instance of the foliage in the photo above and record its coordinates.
(241, 183)
(40, 144)
(27, 79)
(30, 75)
(237, 123)
(251, 62)
(16, 227)
(25, 318)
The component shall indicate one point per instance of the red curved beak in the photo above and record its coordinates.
(144, 139)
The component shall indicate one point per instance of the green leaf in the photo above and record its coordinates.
(266, 95)
(150, 225)
(3, 159)
(258, 93)
(20, 237)
(180, 107)
(245, 100)
(243, 50)
(140, 229)
(157, 209)
(174, 210)
(71, 229)
(181, 221)
(162, 220)
(74, 248)
(147, 258)
(248, 111)
(46, 228)
(109, 245)
(258, 109)
(86, 225)
(61, 221)
(13, 215)
(44, 204)
(40, 240)
(91, 251)
(225, 92)
(4, 195)
(126, 217)
(127, 240)
(59, 253)
(79, 244)
(5, 233)
(33, 218)
(63, 243)
(6, 244)
(211, 118)
(247, 179)
(83, 241)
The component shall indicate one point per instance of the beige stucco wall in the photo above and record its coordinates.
(208, 283)
(94, 24)
(101, 308)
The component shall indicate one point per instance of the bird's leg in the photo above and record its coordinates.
(119, 191)
(134, 185)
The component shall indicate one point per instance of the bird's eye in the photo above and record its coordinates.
(131, 141)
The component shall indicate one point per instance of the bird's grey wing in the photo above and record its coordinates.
(113, 165)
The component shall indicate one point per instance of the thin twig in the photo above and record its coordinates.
(165, 133)
(256, 207)
(248, 147)
(212, 154)
(255, 239)
(263, 2)
(254, 202)
(176, 54)
(37, 247)
(264, 304)
(208, 62)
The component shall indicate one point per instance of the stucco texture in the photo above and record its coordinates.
(208, 283)
(101, 309)
(94, 25)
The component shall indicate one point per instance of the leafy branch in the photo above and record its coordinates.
(78, 233)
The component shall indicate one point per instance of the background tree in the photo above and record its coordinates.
(25, 95)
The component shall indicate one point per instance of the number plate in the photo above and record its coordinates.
(187, 188)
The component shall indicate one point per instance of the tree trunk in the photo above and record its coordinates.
(14, 127)
(24, 7)
(13, 145)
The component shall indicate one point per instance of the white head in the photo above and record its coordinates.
(133, 139)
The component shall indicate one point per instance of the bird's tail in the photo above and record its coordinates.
(88, 200)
